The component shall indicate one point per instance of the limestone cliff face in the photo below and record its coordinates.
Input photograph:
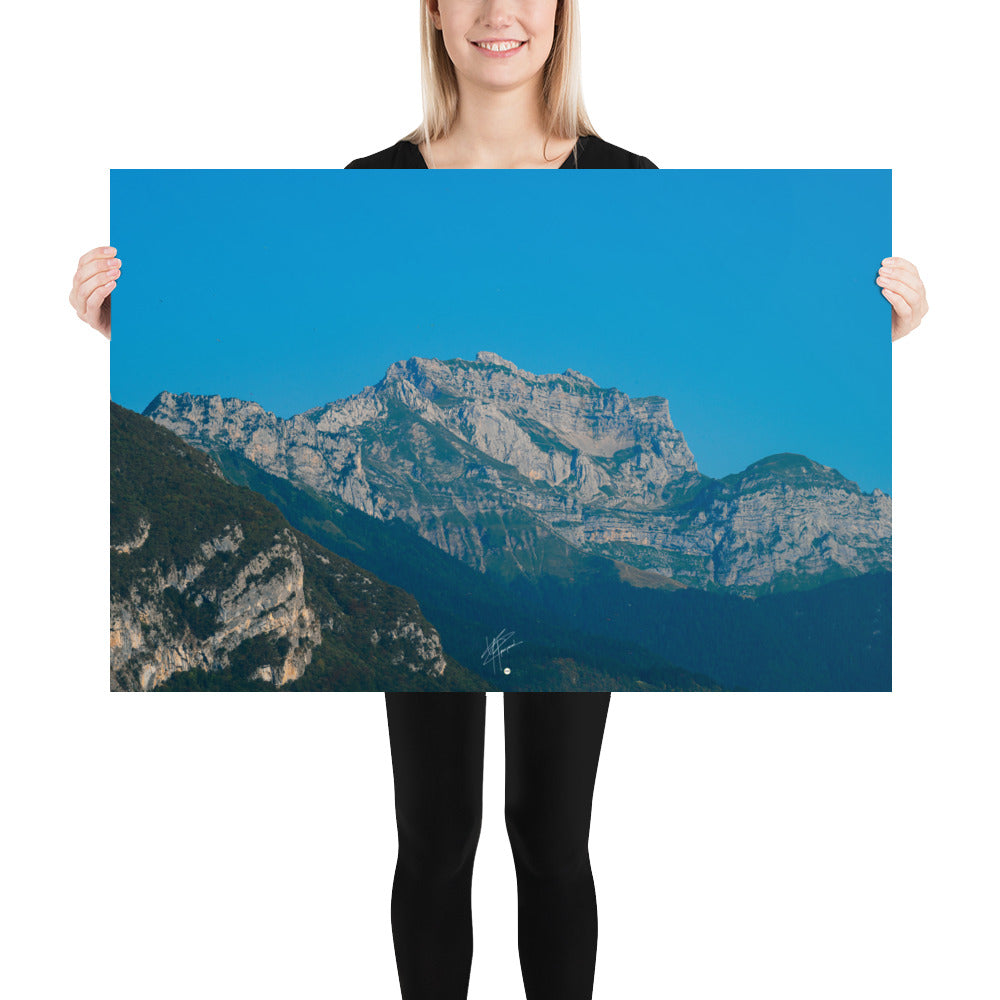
(501, 467)
(750, 532)
(559, 429)
(264, 597)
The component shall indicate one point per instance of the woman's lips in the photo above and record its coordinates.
(506, 54)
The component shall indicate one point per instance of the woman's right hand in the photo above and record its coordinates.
(96, 275)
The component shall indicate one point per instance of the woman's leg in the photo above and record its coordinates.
(553, 742)
(437, 742)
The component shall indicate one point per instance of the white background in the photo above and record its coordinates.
(788, 846)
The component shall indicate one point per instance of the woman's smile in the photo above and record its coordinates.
(498, 48)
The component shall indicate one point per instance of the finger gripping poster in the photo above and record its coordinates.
(500, 430)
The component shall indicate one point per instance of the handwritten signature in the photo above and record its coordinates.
(492, 655)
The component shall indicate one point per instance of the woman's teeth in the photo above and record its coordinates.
(498, 46)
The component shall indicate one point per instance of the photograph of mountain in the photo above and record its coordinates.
(366, 436)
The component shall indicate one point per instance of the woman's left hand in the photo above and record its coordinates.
(902, 286)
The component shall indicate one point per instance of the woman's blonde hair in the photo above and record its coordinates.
(565, 115)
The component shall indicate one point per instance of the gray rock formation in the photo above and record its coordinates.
(503, 468)
(265, 597)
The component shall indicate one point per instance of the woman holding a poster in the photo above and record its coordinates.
(501, 89)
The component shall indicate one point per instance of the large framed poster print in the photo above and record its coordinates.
(501, 430)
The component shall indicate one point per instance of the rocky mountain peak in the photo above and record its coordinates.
(536, 422)
(489, 358)
(489, 374)
(579, 377)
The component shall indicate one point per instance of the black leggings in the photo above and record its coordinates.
(553, 742)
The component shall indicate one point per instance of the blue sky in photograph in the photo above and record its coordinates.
(747, 298)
